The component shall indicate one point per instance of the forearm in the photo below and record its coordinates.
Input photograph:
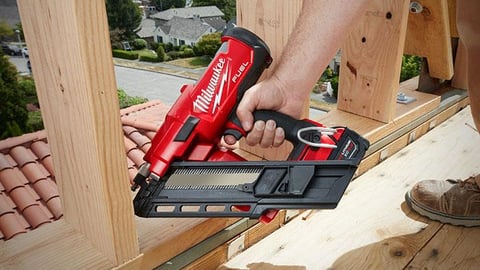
(321, 29)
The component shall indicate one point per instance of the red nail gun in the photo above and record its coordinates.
(187, 174)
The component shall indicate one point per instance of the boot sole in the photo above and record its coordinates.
(438, 216)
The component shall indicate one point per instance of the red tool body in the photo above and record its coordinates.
(206, 111)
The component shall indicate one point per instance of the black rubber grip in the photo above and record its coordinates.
(290, 125)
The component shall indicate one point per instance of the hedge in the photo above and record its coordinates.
(125, 54)
(149, 58)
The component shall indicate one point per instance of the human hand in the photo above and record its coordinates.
(270, 94)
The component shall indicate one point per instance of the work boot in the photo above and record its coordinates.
(456, 202)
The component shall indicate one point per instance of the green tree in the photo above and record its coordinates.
(209, 44)
(161, 55)
(13, 112)
(411, 65)
(167, 4)
(228, 7)
(124, 17)
(5, 30)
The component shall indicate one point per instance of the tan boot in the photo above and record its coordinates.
(455, 202)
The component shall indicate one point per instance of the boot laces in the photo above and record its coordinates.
(468, 184)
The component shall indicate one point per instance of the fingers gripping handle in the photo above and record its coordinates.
(290, 125)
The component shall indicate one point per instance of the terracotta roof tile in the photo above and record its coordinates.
(140, 139)
(22, 155)
(11, 179)
(32, 192)
(29, 195)
(11, 160)
(4, 164)
(46, 211)
(129, 145)
(46, 189)
(35, 216)
(22, 198)
(41, 149)
(55, 206)
(11, 226)
(21, 218)
(129, 130)
(132, 172)
(33, 172)
(136, 156)
(5, 206)
(150, 134)
(140, 124)
(48, 164)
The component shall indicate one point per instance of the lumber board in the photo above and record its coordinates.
(57, 245)
(452, 15)
(371, 61)
(273, 21)
(374, 130)
(69, 47)
(220, 255)
(452, 248)
(428, 35)
(400, 142)
(161, 239)
(372, 228)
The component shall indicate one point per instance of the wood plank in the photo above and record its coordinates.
(372, 228)
(451, 248)
(216, 257)
(371, 61)
(164, 238)
(414, 134)
(70, 52)
(452, 15)
(273, 21)
(57, 245)
(375, 130)
(428, 35)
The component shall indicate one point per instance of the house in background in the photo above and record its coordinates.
(147, 28)
(184, 26)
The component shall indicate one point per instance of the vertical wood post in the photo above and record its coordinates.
(273, 21)
(72, 64)
(371, 61)
(428, 35)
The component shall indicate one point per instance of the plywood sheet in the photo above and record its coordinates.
(372, 228)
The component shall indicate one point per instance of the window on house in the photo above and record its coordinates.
(181, 42)
(159, 39)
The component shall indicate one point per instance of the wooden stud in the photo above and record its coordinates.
(371, 61)
(452, 15)
(71, 58)
(428, 35)
(273, 21)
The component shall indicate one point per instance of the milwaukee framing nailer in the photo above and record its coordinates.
(187, 174)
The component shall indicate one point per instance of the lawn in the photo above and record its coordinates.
(192, 62)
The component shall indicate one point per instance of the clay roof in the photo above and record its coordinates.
(28, 191)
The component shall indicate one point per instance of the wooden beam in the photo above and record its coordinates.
(371, 61)
(273, 21)
(428, 35)
(71, 58)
